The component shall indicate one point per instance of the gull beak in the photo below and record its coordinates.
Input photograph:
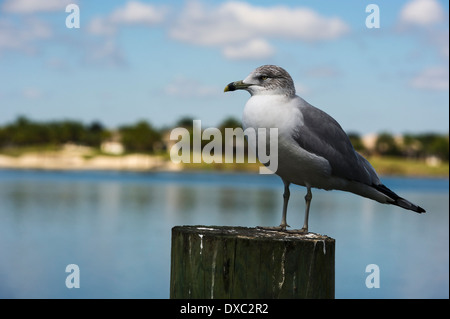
(238, 85)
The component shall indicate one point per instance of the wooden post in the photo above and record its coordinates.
(238, 262)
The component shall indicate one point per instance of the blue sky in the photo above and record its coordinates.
(164, 60)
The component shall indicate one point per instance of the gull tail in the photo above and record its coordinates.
(397, 200)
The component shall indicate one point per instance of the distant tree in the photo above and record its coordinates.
(426, 144)
(24, 132)
(411, 146)
(96, 127)
(21, 121)
(140, 137)
(71, 131)
(434, 145)
(230, 122)
(94, 134)
(186, 122)
(440, 147)
(3, 137)
(386, 145)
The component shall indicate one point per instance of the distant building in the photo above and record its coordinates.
(369, 141)
(112, 147)
(433, 161)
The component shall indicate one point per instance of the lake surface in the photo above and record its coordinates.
(116, 226)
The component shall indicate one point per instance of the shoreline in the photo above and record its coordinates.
(65, 161)
(55, 161)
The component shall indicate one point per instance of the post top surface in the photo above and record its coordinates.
(251, 233)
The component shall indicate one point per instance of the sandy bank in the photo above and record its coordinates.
(58, 161)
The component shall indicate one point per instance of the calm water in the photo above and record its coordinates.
(116, 227)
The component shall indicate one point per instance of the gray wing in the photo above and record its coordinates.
(323, 136)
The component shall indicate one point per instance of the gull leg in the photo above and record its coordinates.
(286, 196)
(308, 198)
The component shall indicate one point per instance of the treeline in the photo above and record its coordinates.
(418, 146)
(143, 137)
(24, 132)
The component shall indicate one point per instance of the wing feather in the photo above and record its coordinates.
(321, 135)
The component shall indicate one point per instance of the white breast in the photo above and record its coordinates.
(294, 163)
(271, 111)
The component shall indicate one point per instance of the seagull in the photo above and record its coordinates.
(313, 149)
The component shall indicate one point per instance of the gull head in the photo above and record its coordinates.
(268, 80)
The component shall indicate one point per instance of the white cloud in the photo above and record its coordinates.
(33, 6)
(421, 13)
(23, 35)
(207, 26)
(136, 12)
(240, 24)
(433, 78)
(101, 26)
(425, 20)
(253, 49)
(133, 13)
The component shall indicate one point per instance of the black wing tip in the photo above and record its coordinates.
(399, 201)
(420, 210)
(403, 203)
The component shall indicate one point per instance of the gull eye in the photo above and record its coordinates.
(263, 77)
